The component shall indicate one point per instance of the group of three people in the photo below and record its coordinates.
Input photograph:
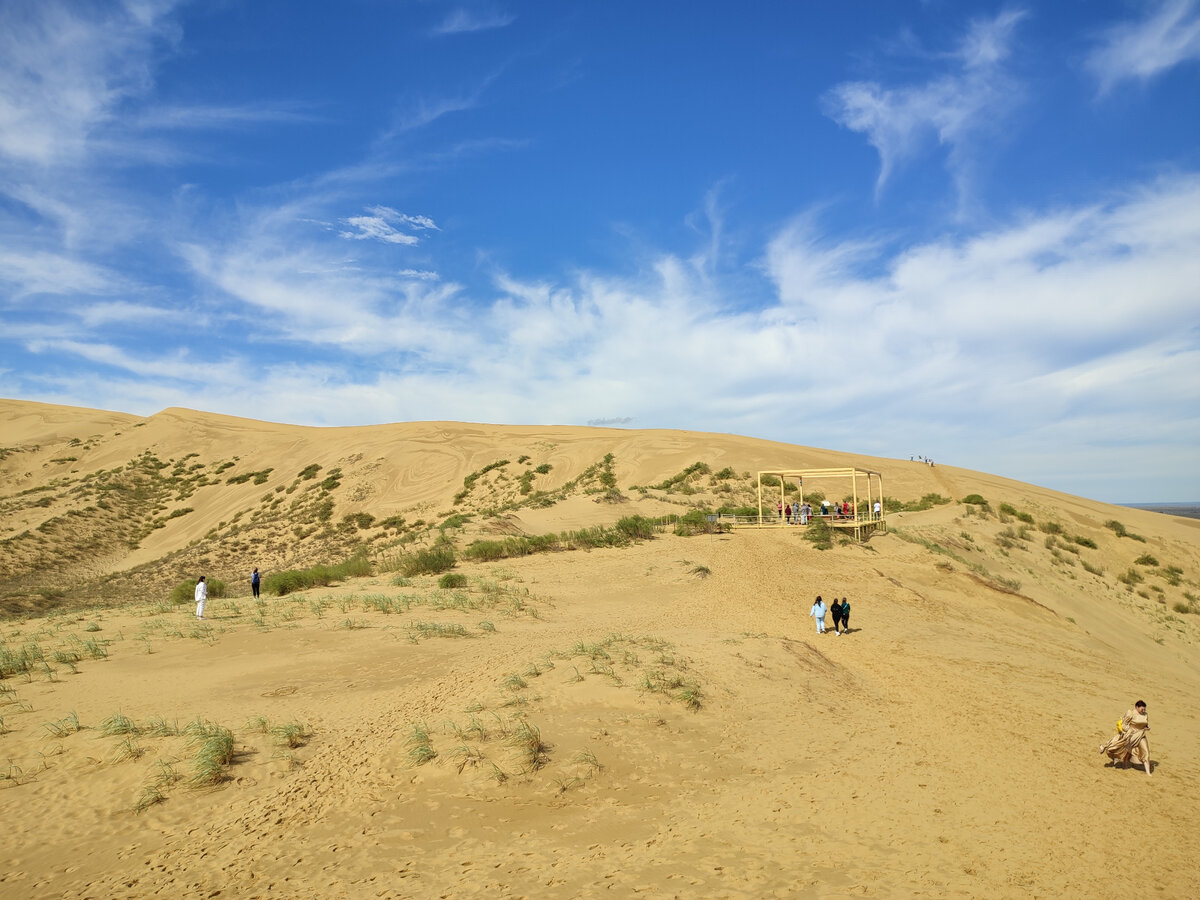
(840, 611)
(800, 513)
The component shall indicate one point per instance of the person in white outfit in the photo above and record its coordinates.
(878, 509)
(818, 613)
(201, 597)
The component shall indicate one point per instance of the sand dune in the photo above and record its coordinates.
(657, 719)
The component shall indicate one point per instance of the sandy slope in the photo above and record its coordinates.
(945, 747)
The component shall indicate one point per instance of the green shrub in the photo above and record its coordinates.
(975, 500)
(452, 580)
(1050, 528)
(891, 504)
(428, 561)
(1119, 530)
(820, 534)
(510, 547)
(309, 472)
(185, 591)
(259, 477)
(292, 580)
(360, 520)
(1131, 577)
(1084, 542)
(1145, 560)
(636, 528)
(697, 468)
(691, 522)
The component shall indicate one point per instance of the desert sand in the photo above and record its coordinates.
(658, 719)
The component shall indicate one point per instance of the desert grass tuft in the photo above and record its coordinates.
(534, 752)
(212, 747)
(290, 735)
(155, 790)
(515, 682)
(69, 724)
(418, 630)
(587, 758)
(157, 726)
(568, 782)
(466, 755)
(128, 748)
(118, 724)
(420, 750)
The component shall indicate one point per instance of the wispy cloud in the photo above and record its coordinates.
(463, 21)
(201, 116)
(39, 272)
(1032, 322)
(383, 223)
(954, 109)
(66, 68)
(1138, 50)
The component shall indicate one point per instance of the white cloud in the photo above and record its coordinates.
(41, 272)
(463, 21)
(1167, 36)
(182, 365)
(201, 116)
(954, 109)
(381, 224)
(65, 69)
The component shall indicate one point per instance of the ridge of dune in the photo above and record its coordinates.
(658, 718)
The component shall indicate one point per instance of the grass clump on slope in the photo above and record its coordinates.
(280, 583)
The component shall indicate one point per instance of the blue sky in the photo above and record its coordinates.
(964, 230)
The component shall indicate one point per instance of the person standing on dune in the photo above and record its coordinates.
(255, 581)
(1131, 742)
(201, 597)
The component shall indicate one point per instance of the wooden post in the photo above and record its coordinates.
(882, 509)
(854, 482)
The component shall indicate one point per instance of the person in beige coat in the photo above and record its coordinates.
(1131, 742)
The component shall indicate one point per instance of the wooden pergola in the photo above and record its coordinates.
(872, 482)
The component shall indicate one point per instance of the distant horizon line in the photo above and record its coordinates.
(1160, 503)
